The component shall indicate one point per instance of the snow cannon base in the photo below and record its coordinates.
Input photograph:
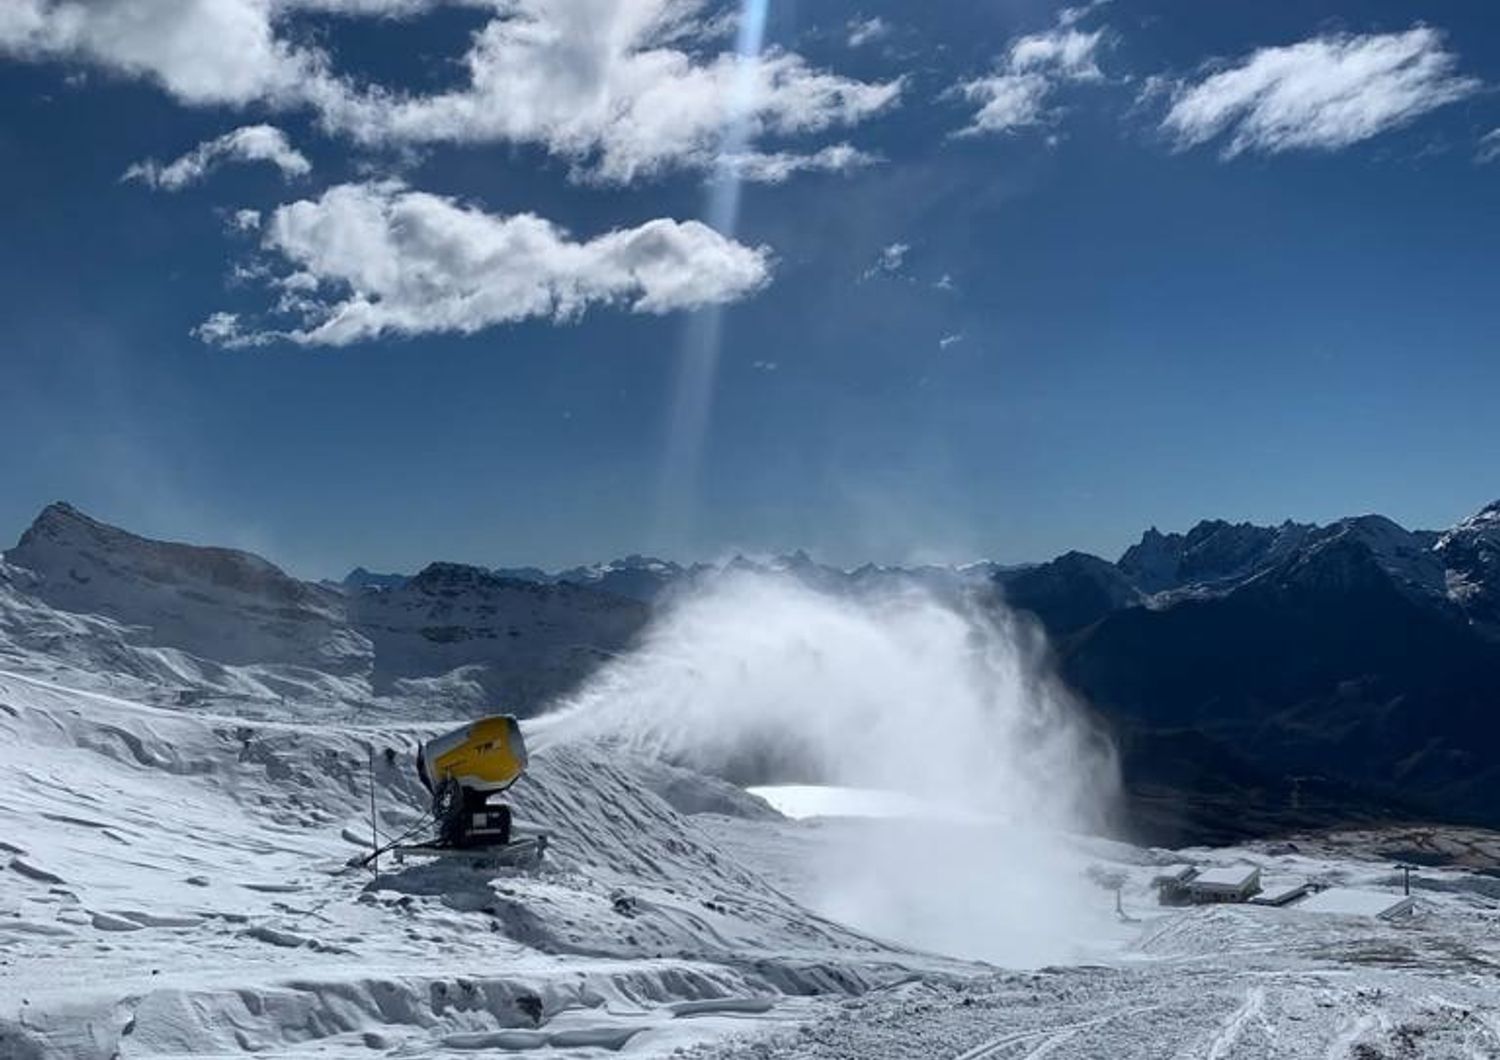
(521, 853)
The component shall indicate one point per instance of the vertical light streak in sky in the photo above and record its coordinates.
(698, 363)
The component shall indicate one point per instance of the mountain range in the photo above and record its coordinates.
(1292, 673)
(1255, 678)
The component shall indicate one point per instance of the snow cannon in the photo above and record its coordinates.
(463, 769)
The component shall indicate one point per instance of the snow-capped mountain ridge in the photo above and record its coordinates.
(1471, 560)
(221, 604)
(231, 625)
(1455, 571)
(1212, 557)
(1213, 551)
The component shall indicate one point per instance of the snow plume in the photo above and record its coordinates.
(760, 678)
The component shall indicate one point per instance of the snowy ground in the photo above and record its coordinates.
(175, 883)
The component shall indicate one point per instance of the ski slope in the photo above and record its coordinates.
(176, 884)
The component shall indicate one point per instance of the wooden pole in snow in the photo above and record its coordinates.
(374, 832)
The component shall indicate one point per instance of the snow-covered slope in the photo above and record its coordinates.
(176, 884)
(175, 881)
(194, 866)
(214, 603)
(178, 623)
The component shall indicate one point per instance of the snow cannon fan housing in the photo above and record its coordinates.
(462, 769)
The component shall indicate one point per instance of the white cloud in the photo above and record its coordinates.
(888, 262)
(892, 255)
(1019, 92)
(950, 340)
(776, 167)
(1324, 93)
(250, 143)
(620, 88)
(380, 259)
(245, 220)
(223, 329)
(592, 81)
(1489, 147)
(864, 31)
(945, 283)
(201, 51)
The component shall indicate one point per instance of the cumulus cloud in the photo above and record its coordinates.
(1322, 94)
(1018, 93)
(372, 259)
(201, 51)
(620, 88)
(775, 167)
(592, 81)
(864, 31)
(249, 143)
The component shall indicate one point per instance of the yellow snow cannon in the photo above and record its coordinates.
(462, 769)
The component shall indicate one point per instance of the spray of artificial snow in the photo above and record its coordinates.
(762, 679)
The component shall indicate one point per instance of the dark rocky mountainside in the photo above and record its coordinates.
(1292, 672)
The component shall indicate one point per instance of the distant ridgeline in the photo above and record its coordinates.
(1256, 678)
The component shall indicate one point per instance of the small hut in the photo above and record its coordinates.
(1228, 883)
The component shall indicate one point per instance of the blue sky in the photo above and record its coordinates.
(383, 281)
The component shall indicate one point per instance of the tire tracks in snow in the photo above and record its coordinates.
(1053, 1036)
(1252, 1008)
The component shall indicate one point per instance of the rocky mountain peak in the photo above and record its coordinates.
(360, 578)
(218, 604)
(449, 578)
(65, 545)
(1470, 554)
(1406, 556)
(62, 525)
(1213, 552)
(1482, 525)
